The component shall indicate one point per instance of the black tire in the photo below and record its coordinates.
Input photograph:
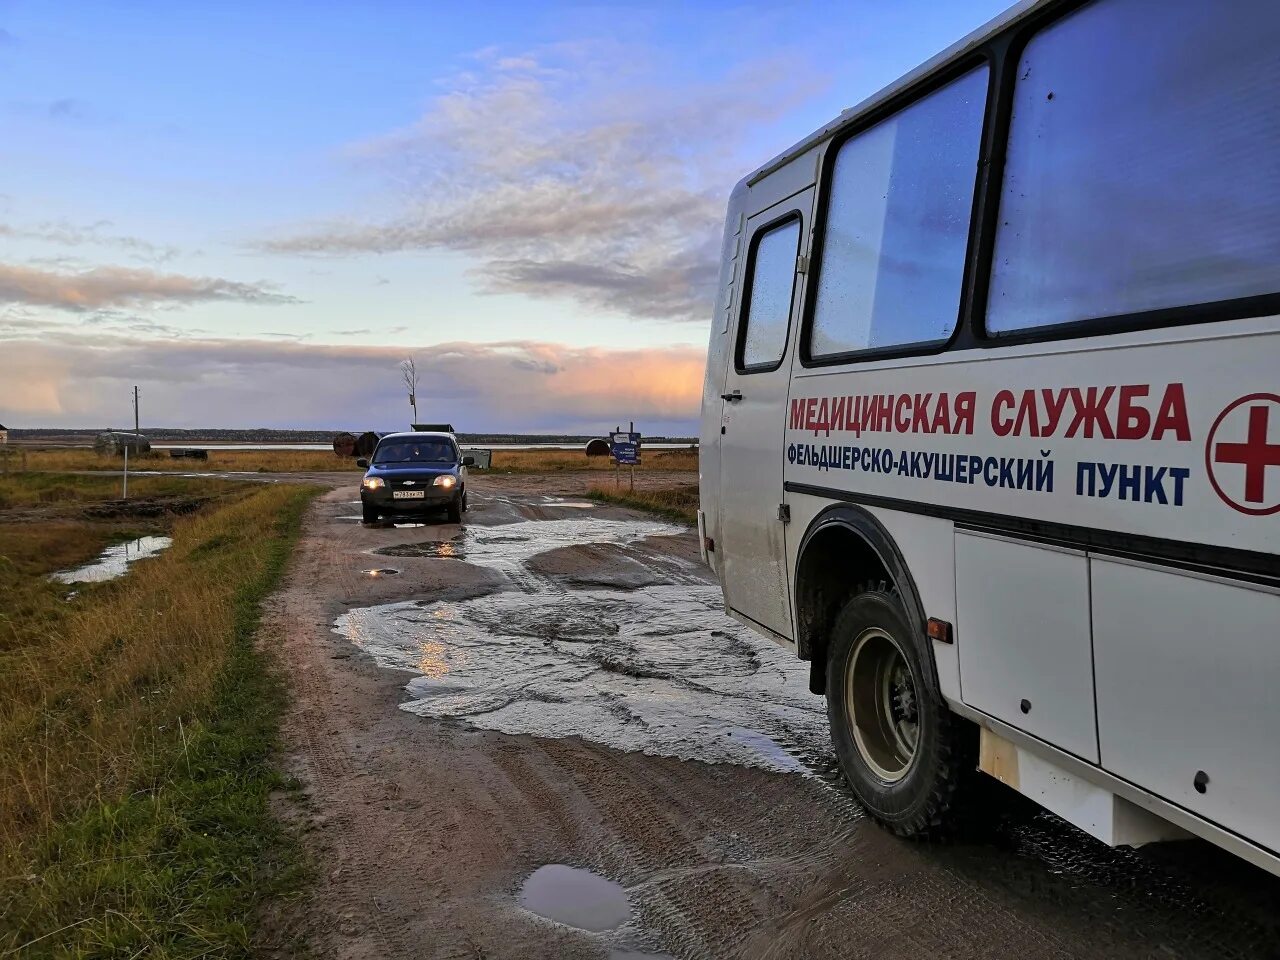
(454, 510)
(907, 756)
(464, 501)
(368, 513)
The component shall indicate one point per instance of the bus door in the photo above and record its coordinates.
(753, 413)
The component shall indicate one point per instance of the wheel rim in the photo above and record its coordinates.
(881, 704)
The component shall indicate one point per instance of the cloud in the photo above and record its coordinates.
(67, 234)
(74, 378)
(123, 287)
(571, 172)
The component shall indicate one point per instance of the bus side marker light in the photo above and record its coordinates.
(939, 630)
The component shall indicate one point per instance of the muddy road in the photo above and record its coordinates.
(539, 736)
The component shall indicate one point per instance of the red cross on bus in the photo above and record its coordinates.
(1255, 453)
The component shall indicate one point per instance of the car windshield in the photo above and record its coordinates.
(416, 451)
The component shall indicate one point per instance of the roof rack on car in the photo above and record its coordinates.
(432, 427)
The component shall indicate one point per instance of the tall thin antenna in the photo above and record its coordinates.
(136, 428)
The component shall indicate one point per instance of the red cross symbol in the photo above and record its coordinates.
(1254, 453)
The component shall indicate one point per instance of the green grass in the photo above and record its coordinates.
(51, 489)
(675, 503)
(135, 751)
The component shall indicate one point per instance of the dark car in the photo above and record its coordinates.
(412, 473)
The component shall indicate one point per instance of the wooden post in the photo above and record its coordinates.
(125, 494)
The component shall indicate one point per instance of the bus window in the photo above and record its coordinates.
(767, 314)
(897, 225)
(1142, 164)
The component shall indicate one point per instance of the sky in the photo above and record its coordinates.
(255, 211)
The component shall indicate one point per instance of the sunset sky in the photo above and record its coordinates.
(255, 210)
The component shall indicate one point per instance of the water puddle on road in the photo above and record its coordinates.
(114, 561)
(660, 670)
(512, 544)
(576, 898)
(439, 549)
(571, 504)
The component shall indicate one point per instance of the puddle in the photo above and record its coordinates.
(573, 504)
(661, 671)
(576, 898)
(398, 524)
(441, 549)
(508, 546)
(381, 572)
(114, 561)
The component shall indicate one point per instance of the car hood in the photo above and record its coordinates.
(406, 470)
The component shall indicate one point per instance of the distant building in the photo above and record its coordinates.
(117, 441)
(4, 433)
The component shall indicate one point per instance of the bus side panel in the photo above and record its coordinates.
(1165, 434)
(718, 356)
(1187, 668)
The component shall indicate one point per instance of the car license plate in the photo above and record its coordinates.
(408, 494)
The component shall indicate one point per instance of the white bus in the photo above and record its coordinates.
(991, 421)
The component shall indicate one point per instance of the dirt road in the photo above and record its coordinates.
(556, 685)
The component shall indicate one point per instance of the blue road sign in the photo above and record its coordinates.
(625, 447)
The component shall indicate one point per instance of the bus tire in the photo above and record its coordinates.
(901, 750)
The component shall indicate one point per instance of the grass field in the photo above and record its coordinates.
(676, 503)
(136, 723)
(241, 461)
(561, 461)
(76, 490)
(319, 461)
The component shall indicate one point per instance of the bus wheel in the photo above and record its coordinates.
(899, 747)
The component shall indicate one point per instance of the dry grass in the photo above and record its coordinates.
(73, 490)
(240, 461)
(560, 461)
(676, 503)
(319, 461)
(135, 722)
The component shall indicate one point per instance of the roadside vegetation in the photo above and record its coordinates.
(77, 494)
(562, 461)
(137, 719)
(321, 461)
(220, 461)
(675, 503)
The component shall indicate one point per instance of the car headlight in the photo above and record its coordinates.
(373, 483)
(446, 480)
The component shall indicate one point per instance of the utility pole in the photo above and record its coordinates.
(124, 494)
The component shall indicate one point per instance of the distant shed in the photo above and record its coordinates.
(115, 442)
(597, 447)
(4, 433)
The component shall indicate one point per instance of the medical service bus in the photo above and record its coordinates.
(991, 422)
